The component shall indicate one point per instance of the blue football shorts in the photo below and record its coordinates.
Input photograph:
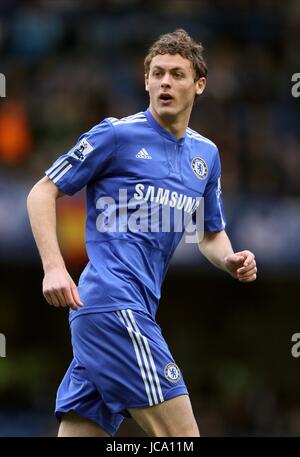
(121, 361)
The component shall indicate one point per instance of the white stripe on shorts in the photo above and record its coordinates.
(123, 317)
(161, 397)
(138, 336)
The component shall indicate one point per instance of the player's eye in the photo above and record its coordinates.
(156, 73)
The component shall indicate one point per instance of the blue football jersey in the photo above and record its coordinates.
(143, 186)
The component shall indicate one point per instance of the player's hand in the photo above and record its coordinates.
(242, 266)
(60, 290)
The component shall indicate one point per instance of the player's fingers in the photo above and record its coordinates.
(60, 297)
(247, 269)
(247, 274)
(69, 299)
(75, 295)
(48, 298)
(51, 297)
(248, 278)
(249, 258)
(234, 261)
(237, 259)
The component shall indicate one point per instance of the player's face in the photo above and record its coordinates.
(171, 85)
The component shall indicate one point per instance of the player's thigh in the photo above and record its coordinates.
(74, 425)
(173, 417)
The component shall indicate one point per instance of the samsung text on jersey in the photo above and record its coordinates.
(150, 210)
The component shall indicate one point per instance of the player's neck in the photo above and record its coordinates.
(175, 125)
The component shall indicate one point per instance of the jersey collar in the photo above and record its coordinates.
(161, 130)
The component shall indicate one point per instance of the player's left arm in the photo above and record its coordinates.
(216, 247)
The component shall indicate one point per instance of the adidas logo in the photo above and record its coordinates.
(143, 154)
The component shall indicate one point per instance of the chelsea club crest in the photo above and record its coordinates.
(172, 372)
(199, 167)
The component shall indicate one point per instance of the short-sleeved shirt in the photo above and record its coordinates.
(143, 186)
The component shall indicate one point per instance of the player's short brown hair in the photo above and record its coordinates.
(178, 42)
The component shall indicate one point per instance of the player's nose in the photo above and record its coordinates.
(166, 81)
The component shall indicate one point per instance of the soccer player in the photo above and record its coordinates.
(136, 170)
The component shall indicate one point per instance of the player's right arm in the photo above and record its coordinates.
(59, 288)
(71, 172)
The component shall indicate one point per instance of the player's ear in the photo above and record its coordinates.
(200, 85)
(147, 82)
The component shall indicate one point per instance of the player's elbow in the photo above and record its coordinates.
(34, 193)
(209, 239)
(32, 198)
(44, 187)
(42, 194)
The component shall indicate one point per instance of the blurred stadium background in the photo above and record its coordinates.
(69, 64)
